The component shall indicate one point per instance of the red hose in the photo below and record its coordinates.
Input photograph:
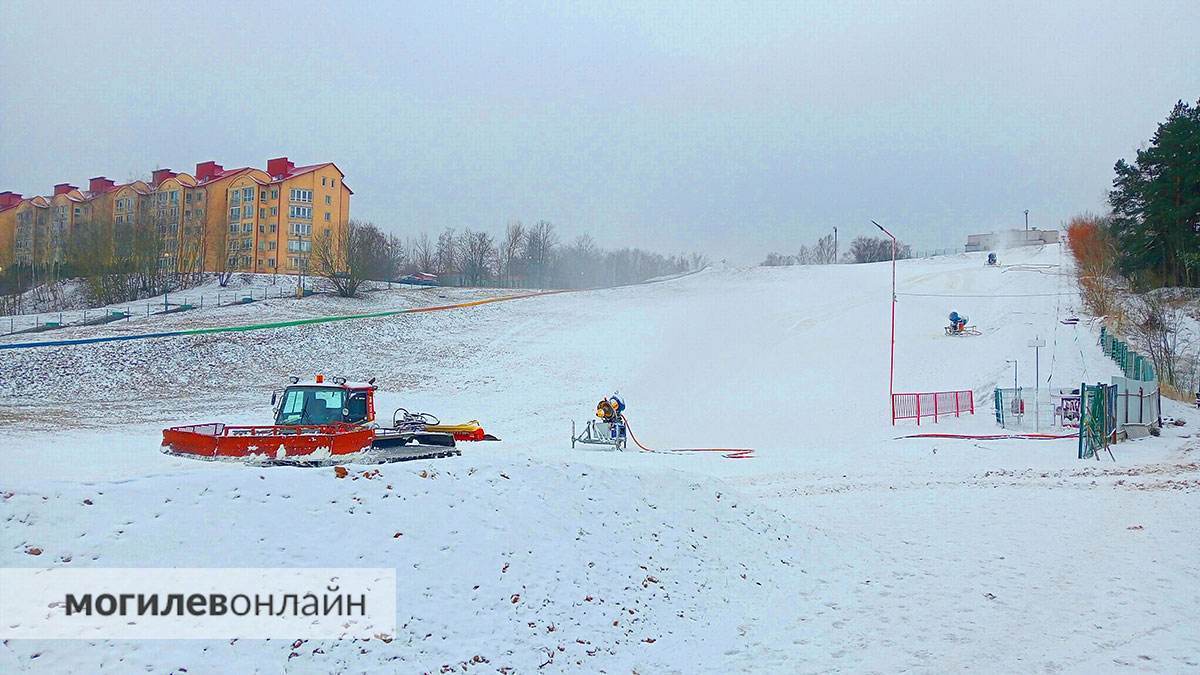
(730, 453)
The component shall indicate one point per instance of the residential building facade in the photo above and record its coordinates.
(249, 219)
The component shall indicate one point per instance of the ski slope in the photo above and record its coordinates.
(836, 548)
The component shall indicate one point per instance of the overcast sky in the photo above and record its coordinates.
(728, 128)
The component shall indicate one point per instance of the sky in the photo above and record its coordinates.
(728, 128)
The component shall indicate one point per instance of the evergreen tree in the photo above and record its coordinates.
(1156, 204)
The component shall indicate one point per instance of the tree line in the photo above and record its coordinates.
(824, 252)
(1149, 243)
(1155, 200)
(524, 256)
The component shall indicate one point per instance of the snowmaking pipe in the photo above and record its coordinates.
(729, 453)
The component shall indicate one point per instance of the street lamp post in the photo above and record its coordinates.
(1026, 220)
(1037, 343)
(892, 364)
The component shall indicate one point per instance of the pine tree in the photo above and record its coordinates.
(1156, 204)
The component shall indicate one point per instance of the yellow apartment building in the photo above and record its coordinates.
(249, 219)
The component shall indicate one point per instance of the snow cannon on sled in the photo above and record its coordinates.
(316, 423)
(958, 326)
(607, 428)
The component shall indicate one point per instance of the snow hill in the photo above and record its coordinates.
(836, 548)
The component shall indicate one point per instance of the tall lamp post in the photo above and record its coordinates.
(1026, 220)
(1037, 343)
(892, 365)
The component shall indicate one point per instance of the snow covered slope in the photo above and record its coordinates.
(835, 548)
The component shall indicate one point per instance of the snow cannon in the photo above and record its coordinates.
(606, 428)
(958, 326)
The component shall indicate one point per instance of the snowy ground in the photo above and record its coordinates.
(837, 548)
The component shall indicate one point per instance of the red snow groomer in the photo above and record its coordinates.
(319, 423)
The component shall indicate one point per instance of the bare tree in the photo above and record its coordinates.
(476, 257)
(446, 255)
(876, 249)
(823, 252)
(538, 252)
(397, 256)
(422, 253)
(348, 258)
(510, 251)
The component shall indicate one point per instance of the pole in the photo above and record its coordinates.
(1026, 220)
(835, 243)
(892, 364)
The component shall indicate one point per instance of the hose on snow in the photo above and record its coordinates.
(728, 453)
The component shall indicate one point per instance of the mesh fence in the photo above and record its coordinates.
(1027, 409)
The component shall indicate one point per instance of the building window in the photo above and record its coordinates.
(328, 199)
(235, 213)
(233, 228)
(272, 226)
(262, 196)
(270, 262)
(248, 193)
(199, 213)
(327, 216)
(274, 210)
(188, 198)
(247, 211)
(199, 196)
(271, 247)
(275, 194)
(247, 227)
(322, 181)
(235, 198)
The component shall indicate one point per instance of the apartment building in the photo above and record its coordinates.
(248, 219)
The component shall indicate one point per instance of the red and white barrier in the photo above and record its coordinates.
(935, 404)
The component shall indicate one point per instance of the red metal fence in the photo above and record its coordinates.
(932, 404)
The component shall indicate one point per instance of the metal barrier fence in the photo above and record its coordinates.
(935, 404)
(1036, 409)
(1134, 365)
(1098, 420)
(170, 303)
